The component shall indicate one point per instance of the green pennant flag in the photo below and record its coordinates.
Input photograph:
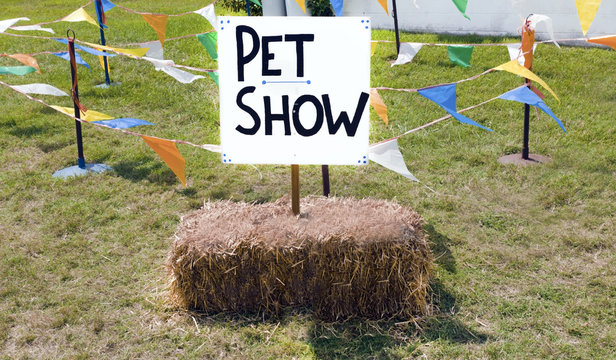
(256, 2)
(460, 55)
(461, 5)
(214, 76)
(16, 70)
(209, 42)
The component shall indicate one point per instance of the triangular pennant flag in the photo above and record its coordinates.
(609, 40)
(107, 5)
(515, 68)
(527, 96)
(155, 50)
(16, 70)
(158, 23)
(209, 14)
(515, 52)
(39, 89)
(214, 76)
(302, 4)
(461, 5)
(79, 15)
(256, 2)
(535, 19)
(166, 66)
(5, 24)
(26, 60)
(32, 28)
(587, 9)
(134, 52)
(387, 154)
(384, 5)
(122, 123)
(407, 53)
(373, 45)
(66, 56)
(169, 153)
(379, 105)
(337, 5)
(445, 97)
(460, 55)
(210, 43)
(89, 115)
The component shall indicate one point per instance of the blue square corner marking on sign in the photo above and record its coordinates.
(366, 23)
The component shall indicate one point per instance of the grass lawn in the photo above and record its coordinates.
(525, 256)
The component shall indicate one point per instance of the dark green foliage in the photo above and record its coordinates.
(320, 7)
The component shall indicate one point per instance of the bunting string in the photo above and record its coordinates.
(208, 147)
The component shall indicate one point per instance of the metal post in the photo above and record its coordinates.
(248, 7)
(99, 15)
(526, 131)
(81, 161)
(395, 15)
(295, 189)
(325, 172)
(528, 38)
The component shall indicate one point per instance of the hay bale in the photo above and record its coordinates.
(342, 257)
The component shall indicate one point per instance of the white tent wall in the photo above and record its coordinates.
(488, 17)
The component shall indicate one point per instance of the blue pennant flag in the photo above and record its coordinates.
(64, 55)
(527, 96)
(337, 5)
(445, 97)
(123, 123)
(89, 50)
(107, 5)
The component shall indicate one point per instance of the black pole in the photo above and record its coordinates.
(99, 14)
(81, 161)
(395, 14)
(325, 172)
(248, 7)
(526, 131)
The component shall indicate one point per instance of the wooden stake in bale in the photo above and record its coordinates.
(342, 257)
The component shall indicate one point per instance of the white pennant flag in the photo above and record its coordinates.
(155, 50)
(515, 52)
(388, 155)
(407, 53)
(32, 28)
(5, 24)
(536, 19)
(208, 13)
(166, 66)
(40, 89)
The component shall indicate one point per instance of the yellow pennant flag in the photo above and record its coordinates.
(514, 67)
(79, 15)
(139, 52)
(26, 60)
(384, 5)
(302, 4)
(159, 24)
(609, 40)
(587, 9)
(89, 115)
(373, 45)
(169, 153)
(379, 105)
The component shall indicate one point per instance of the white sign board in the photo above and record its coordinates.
(294, 90)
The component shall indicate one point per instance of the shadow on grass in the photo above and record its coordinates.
(471, 39)
(439, 245)
(145, 170)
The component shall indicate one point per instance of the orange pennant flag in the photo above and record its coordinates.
(159, 24)
(302, 4)
(609, 40)
(384, 5)
(26, 60)
(169, 153)
(378, 105)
